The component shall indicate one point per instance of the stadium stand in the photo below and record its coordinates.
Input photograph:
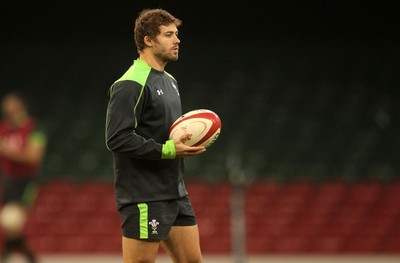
(294, 217)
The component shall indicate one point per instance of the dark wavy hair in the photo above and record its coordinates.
(148, 23)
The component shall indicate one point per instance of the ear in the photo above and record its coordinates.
(148, 41)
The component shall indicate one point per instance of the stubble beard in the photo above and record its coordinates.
(166, 55)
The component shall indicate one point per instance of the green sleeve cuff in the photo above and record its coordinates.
(38, 139)
(168, 150)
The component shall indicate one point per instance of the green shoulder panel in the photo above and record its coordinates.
(138, 72)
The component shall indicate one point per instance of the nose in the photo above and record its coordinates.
(177, 40)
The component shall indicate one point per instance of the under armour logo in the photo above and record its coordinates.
(159, 92)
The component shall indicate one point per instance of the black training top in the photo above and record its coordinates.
(142, 106)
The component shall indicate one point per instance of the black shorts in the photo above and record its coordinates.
(21, 191)
(153, 220)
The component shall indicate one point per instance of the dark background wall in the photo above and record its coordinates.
(304, 89)
(215, 19)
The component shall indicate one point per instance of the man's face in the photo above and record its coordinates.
(12, 107)
(166, 44)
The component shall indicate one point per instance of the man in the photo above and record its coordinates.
(150, 193)
(22, 149)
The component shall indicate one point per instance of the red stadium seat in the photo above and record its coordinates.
(327, 244)
(298, 217)
(260, 244)
(290, 245)
(363, 244)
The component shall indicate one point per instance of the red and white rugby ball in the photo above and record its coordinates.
(204, 126)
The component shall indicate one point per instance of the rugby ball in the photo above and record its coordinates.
(203, 125)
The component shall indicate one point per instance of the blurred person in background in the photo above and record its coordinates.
(22, 148)
(148, 167)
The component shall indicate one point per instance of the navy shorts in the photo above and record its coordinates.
(153, 220)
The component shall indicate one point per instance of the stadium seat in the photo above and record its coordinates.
(329, 217)
(327, 244)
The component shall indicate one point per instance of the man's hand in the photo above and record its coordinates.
(31, 153)
(183, 150)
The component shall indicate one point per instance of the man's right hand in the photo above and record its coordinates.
(183, 150)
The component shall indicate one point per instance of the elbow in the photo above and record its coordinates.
(113, 144)
(110, 142)
(110, 145)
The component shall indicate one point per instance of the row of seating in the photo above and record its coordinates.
(294, 217)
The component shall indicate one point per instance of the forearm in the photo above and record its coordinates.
(133, 145)
(32, 156)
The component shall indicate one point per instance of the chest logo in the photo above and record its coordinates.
(160, 92)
